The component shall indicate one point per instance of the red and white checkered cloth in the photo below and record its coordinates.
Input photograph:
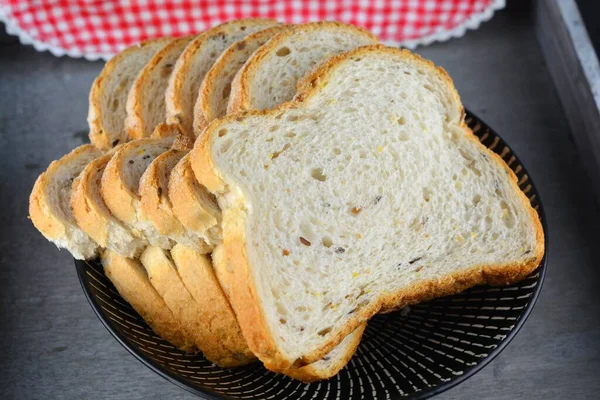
(98, 29)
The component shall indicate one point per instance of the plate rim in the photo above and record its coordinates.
(181, 382)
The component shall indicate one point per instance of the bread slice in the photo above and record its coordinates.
(193, 205)
(195, 61)
(120, 184)
(131, 281)
(146, 98)
(156, 206)
(325, 368)
(393, 201)
(93, 216)
(49, 208)
(269, 77)
(197, 274)
(108, 96)
(214, 91)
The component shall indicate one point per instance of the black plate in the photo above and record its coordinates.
(433, 347)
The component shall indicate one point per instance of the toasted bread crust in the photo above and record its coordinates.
(177, 114)
(41, 212)
(193, 205)
(205, 110)
(164, 130)
(155, 203)
(240, 98)
(245, 299)
(101, 135)
(135, 124)
(87, 213)
(120, 199)
(131, 281)
(227, 344)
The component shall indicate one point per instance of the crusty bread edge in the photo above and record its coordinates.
(240, 96)
(99, 135)
(134, 124)
(85, 212)
(204, 112)
(182, 66)
(39, 210)
(227, 339)
(246, 300)
(160, 318)
(152, 196)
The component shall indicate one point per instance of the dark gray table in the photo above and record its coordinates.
(53, 346)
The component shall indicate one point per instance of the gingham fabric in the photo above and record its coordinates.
(98, 29)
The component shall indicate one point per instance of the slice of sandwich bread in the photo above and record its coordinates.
(156, 206)
(393, 201)
(146, 98)
(120, 182)
(49, 208)
(95, 218)
(269, 77)
(108, 96)
(195, 61)
(216, 86)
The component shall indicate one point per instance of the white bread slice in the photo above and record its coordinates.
(108, 96)
(393, 201)
(325, 368)
(131, 281)
(156, 206)
(195, 61)
(146, 101)
(197, 274)
(120, 184)
(93, 216)
(214, 91)
(193, 205)
(49, 208)
(269, 77)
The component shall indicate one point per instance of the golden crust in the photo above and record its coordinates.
(192, 204)
(153, 191)
(204, 110)
(241, 97)
(101, 136)
(225, 340)
(245, 299)
(135, 126)
(131, 281)
(41, 212)
(119, 199)
(176, 112)
(89, 215)
(164, 130)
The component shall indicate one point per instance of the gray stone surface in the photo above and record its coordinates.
(53, 346)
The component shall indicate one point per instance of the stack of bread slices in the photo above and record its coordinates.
(260, 190)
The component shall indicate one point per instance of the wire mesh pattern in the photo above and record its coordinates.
(415, 353)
